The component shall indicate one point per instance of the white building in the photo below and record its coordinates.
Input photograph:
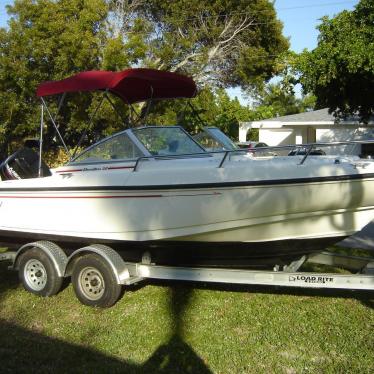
(311, 127)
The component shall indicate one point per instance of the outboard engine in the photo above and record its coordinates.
(23, 164)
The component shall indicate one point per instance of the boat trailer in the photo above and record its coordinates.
(98, 272)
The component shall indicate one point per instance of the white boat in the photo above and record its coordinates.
(156, 188)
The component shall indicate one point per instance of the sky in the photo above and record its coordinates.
(300, 19)
(3, 14)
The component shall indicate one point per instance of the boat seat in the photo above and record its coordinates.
(23, 164)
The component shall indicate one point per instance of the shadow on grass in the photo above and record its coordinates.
(22, 350)
(8, 279)
(176, 356)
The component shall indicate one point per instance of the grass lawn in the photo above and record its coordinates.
(187, 328)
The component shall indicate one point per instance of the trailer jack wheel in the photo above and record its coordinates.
(38, 274)
(94, 282)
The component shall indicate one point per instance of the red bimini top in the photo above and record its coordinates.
(131, 85)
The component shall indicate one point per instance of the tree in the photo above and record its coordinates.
(218, 43)
(46, 40)
(281, 99)
(222, 43)
(340, 71)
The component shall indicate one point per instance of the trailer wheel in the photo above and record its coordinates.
(38, 274)
(94, 282)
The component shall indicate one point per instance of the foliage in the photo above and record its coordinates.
(280, 100)
(46, 40)
(340, 71)
(55, 157)
(229, 113)
(224, 43)
(219, 43)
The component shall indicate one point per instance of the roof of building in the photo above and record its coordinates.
(321, 116)
(315, 115)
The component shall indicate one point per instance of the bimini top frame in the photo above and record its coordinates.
(131, 85)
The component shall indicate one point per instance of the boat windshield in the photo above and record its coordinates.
(213, 139)
(167, 141)
(117, 147)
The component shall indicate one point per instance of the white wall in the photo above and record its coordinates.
(274, 137)
(243, 129)
(343, 134)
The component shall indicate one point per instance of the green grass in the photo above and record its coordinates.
(187, 328)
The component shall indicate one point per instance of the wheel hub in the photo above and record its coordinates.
(91, 283)
(35, 275)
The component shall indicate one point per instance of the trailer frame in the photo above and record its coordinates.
(124, 273)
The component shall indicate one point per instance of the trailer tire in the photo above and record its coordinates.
(38, 274)
(94, 281)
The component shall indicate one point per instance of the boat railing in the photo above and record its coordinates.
(306, 148)
(173, 157)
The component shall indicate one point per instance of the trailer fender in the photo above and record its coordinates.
(52, 250)
(119, 268)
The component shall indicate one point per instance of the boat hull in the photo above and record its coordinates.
(260, 220)
(187, 253)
